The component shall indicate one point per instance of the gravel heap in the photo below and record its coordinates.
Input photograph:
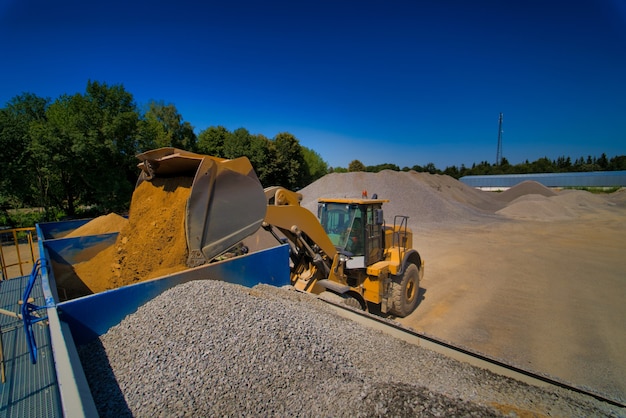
(432, 200)
(209, 348)
(425, 198)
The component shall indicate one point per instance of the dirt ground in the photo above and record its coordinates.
(547, 296)
(533, 276)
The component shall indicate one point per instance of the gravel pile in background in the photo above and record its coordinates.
(425, 198)
(433, 201)
(210, 348)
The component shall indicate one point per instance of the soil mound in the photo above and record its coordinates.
(565, 205)
(581, 199)
(524, 188)
(536, 207)
(105, 224)
(618, 198)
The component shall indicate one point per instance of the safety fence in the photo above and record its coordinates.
(17, 252)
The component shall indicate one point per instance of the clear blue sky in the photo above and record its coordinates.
(402, 82)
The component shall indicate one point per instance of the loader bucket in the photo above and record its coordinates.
(227, 202)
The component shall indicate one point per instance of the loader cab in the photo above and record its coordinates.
(355, 227)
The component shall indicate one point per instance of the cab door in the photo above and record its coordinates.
(374, 236)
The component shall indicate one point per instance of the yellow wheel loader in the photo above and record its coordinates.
(347, 252)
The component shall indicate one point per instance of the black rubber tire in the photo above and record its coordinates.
(405, 291)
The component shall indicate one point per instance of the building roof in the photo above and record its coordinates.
(579, 179)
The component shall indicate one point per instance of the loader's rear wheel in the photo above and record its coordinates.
(404, 292)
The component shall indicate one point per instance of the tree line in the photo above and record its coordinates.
(75, 155)
(542, 165)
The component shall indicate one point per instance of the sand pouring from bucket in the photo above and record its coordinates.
(227, 202)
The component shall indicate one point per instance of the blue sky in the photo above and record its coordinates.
(402, 82)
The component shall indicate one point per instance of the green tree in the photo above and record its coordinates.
(211, 141)
(58, 165)
(237, 143)
(380, 167)
(452, 171)
(430, 167)
(162, 126)
(18, 181)
(564, 163)
(483, 168)
(257, 148)
(618, 163)
(85, 150)
(356, 165)
(290, 160)
(262, 156)
(543, 165)
(603, 162)
(112, 146)
(316, 166)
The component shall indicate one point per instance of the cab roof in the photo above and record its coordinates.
(352, 201)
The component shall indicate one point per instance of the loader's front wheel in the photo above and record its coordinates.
(404, 292)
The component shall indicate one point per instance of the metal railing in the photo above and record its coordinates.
(17, 252)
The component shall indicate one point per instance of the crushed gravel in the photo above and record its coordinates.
(425, 198)
(432, 201)
(210, 348)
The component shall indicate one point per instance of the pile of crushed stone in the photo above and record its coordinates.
(431, 200)
(522, 189)
(424, 197)
(209, 348)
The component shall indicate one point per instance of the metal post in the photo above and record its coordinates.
(499, 152)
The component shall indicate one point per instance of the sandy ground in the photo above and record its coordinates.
(547, 296)
(18, 266)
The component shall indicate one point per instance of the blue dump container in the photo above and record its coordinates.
(79, 320)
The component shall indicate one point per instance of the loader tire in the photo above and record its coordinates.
(404, 292)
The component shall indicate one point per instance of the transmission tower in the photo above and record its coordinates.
(499, 152)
